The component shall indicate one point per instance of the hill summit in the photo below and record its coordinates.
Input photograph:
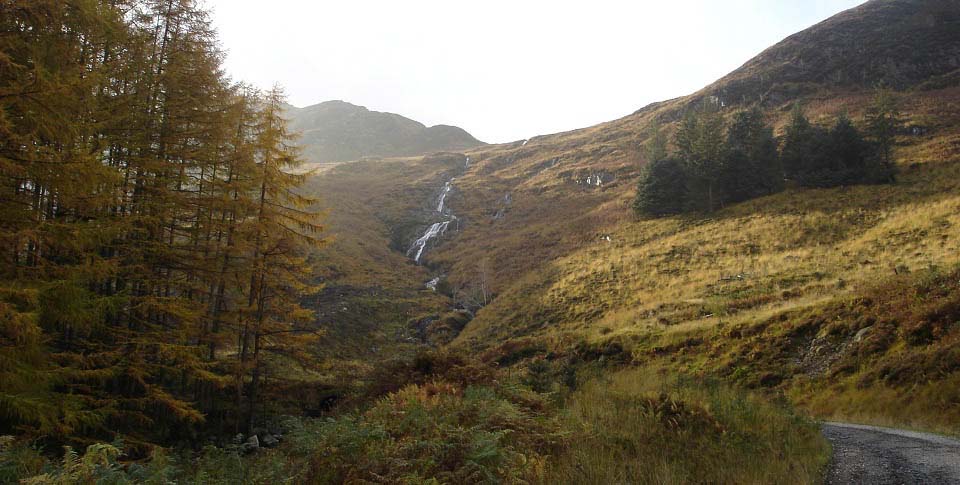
(337, 131)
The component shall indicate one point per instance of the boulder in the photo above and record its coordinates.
(251, 445)
(269, 441)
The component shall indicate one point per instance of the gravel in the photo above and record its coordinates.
(873, 455)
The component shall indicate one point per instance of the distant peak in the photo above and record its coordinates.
(337, 130)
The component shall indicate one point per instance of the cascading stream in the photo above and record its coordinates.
(443, 195)
(436, 229)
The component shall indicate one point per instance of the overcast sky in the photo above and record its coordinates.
(503, 70)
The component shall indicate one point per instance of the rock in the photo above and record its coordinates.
(251, 445)
(269, 441)
(862, 333)
(238, 439)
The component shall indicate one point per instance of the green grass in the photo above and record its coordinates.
(640, 426)
(446, 419)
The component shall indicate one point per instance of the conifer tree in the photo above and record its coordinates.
(147, 218)
(700, 145)
(799, 143)
(752, 166)
(283, 226)
(882, 123)
(661, 190)
(656, 144)
(838, 156)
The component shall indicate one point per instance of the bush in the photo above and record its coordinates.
(438, 431)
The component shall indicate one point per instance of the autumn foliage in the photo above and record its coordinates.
(151, 238)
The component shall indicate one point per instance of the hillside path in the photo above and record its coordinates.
(873, 455)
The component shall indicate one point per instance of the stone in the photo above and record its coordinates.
(251, 445)
(269, 441)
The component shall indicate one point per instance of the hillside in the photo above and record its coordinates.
(546, 224)
(173, 309)
(337, 131)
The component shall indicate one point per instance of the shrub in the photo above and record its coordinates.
(438, 431)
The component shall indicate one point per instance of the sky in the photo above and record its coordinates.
(504, 70)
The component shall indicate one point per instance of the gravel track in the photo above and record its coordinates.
(874, 455)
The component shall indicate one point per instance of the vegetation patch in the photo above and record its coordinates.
(640, 426)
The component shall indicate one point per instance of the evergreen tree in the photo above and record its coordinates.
(661, 190)
(840, 159)
(275, 321)
(799, 144)
(655, 147)
(700, 146)
(882, 123)
(54, 60)
(752, 166)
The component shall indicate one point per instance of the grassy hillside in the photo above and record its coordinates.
(372, 290)
(677, 291)
(450, 419)
(545, 227)
(839, 301)
(569, 342)
(804, 244)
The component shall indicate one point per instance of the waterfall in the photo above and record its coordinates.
(436, 229)
(443, 195)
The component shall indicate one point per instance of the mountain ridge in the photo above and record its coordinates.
(339, 131)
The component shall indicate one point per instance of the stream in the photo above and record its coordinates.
(438, 228)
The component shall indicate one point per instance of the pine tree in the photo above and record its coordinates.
(53, 62)
(700, 146)
(882, 123)
(752, 166)
(837, 157)
(655, 146)
(799, 143)
(661, 190)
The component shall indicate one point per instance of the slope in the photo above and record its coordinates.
(546, 231)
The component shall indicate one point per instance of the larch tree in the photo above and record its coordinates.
(275, 322)
(148, 218)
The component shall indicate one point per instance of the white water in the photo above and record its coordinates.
(443, 195)
(437, 229)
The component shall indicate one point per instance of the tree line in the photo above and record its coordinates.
(152, 239)
(715, 162)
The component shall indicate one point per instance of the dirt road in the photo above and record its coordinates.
(872, 455)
